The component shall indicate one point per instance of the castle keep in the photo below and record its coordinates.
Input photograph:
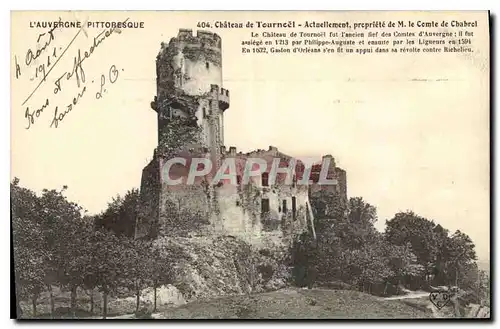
(190, 105)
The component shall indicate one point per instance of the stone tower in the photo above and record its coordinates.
(189, 85)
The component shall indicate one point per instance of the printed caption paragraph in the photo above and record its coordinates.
(356, 38)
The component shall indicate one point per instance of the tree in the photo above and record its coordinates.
(30, 252)
(359, 230)
(419, 232)
(78, 267)
(62, 225)
(91, 270)
(368, 265)
(159, 268)
(137, 259)
(437, 268)
(444, 256)
(121, 214)
(349, 247)
(361, 211)
(328, 209)
(484, 291)
(107, 259)
(461, 256)
(403, 263)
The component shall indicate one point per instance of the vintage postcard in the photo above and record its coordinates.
(250, 165)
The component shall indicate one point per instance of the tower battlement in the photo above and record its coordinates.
(185, 34)
(221, 95)
(202, 39)
(224, 99)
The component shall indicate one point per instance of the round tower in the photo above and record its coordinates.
(189, 84)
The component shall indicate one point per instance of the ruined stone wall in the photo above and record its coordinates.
(148, 213)
(242, 205)
(184, 210)
(237, 211)
(241, 212)
(341, 176)
(325, 197)
(189, 86)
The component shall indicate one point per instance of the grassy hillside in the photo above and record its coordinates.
(297, 304)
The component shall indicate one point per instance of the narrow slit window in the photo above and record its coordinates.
(265, 179)
(264, 206)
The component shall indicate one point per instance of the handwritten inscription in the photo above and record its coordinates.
(59, 116)
(35, 114)
(41, 69)
(112, 77)
(43, 41)
(30, 56)
(46, 58)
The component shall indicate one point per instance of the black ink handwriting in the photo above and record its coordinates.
(112, 77)
(78, 70)
(98, 95)
(30, 57)
(50, 70)
(18, 68)
(42, 67)
(36, 113)
(113, 74)
(60, 116)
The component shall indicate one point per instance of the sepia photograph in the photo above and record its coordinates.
(250, 165)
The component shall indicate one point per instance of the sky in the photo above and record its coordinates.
(412, 131)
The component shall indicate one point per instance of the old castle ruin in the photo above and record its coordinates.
(190, 105)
